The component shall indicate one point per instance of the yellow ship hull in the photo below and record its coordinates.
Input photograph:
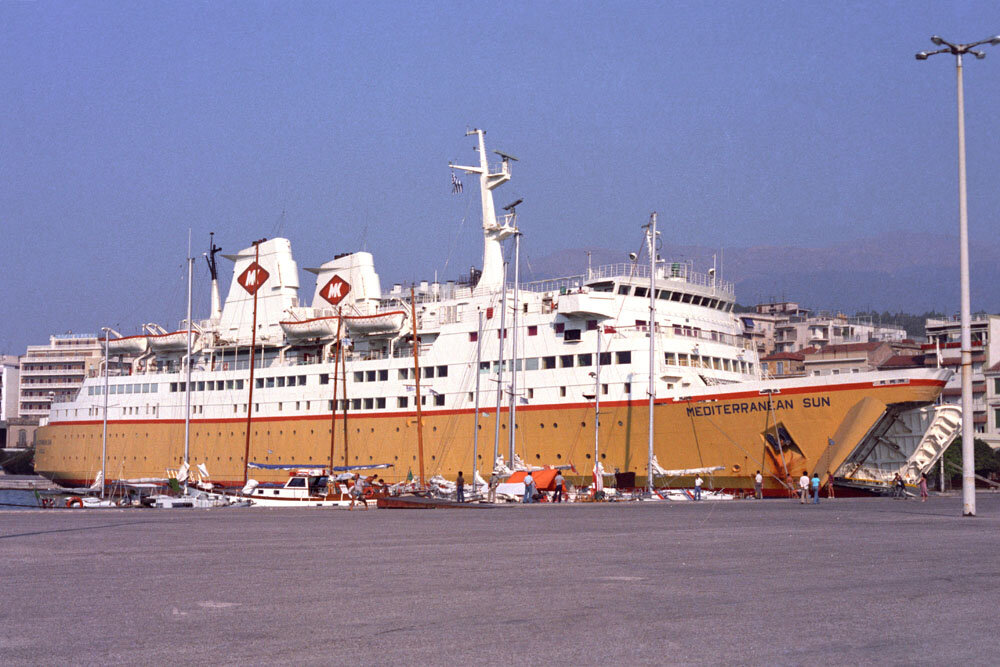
(812, 428)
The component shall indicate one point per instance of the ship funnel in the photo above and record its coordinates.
(348, 282)
(269, 269)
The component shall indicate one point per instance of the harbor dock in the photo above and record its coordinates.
(852, 580)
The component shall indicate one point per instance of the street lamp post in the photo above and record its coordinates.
(968, 467)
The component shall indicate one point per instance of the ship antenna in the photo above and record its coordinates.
(213, 250)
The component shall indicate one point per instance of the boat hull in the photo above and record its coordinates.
(823, 423)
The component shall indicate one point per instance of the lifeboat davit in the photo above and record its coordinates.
(171, 342)
(127, 345)
(375, 325)
(316, 327)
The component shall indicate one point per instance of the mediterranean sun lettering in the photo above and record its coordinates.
(763, 405)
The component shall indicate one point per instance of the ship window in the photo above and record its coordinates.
(628, 387)
(302, 380)
(531, 364)
(429, 372)
(604, 388)
(602, 287)
(442, 371)
(484, 367)
(572, 334)
(269, 383)
(369, 403)
(359, 376)
(550, 362)
(591, 325)
(370, 376)
(439, 400)
(256, 407)
(404, 373)
(239, 385)
(473, 336)
(623, 289)
(324, 378)
(259, 383)
(562, 391)
(623, 357)
(355, 404)
(280, 405)
(533, 330)
(605, 358)
(583, 360)
(565, 361)
(383, 375)
(402, 401)
(676, 296)
(173, 388)
(641, 291)
(290, 381)
(296, 481)
(560, 327)
(201, 386)
(686, 298)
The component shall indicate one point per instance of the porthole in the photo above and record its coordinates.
(538, 456)
(397, 429)
(555, 425)
(583, 424)
(559, 456)
(619, 422)
(588, 456)
(435, 429)
(541, 426)
(604, 456)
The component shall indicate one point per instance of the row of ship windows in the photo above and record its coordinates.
(435, 399)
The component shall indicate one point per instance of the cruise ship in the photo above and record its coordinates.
(486, 371)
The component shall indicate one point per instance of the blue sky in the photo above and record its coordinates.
(331, 123)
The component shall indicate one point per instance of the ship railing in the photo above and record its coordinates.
(665, 270)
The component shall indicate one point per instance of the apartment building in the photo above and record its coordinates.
(785, 326)
(944, 348)
(54, 372)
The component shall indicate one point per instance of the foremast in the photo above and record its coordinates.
(493, 231)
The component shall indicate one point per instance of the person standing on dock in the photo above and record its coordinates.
(529, 488)
(803, 487)
(557, 495)
(923, 488)
(494, 483)
(698, 481)
(460, 488)
(829, 485)
(815, 487)
(758, 486)
(358, 492)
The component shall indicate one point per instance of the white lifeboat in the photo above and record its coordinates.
(315, 327)
(171, 342)
(386, 323)
(127, 345)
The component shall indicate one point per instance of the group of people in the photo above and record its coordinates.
(531, 494)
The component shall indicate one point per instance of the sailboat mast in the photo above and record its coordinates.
(333, 404)
(187, 363)
(597, 397)
(652, 342)
(475, 428)
(512, 436)
(416, 379)
(503, 336)
(104, 433)
(253, 348)
(343, 388)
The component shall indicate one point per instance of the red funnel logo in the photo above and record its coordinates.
(335, 290)
(253, 278)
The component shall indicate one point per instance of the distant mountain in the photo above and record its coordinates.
(912, 272)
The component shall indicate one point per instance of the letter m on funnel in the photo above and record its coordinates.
(335, 290)
(253, 278)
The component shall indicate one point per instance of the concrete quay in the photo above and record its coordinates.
(847, 581)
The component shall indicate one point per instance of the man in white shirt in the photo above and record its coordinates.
(803, 487)
(529, 489)
(758, 486)
(698, 481)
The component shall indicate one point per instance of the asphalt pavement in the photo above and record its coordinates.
(742, 582)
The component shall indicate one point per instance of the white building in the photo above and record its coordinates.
(55, 372)
(786, 327)
(944, 343)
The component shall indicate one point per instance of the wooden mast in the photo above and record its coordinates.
(343, 386)
(416, 379)
(253, 347)
(333, 405)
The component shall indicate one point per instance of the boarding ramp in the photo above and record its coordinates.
(907, 441)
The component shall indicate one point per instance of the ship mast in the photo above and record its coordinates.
(503, 338)
(213, 269)
(104, 428)
(492, 277)
(651, 235)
